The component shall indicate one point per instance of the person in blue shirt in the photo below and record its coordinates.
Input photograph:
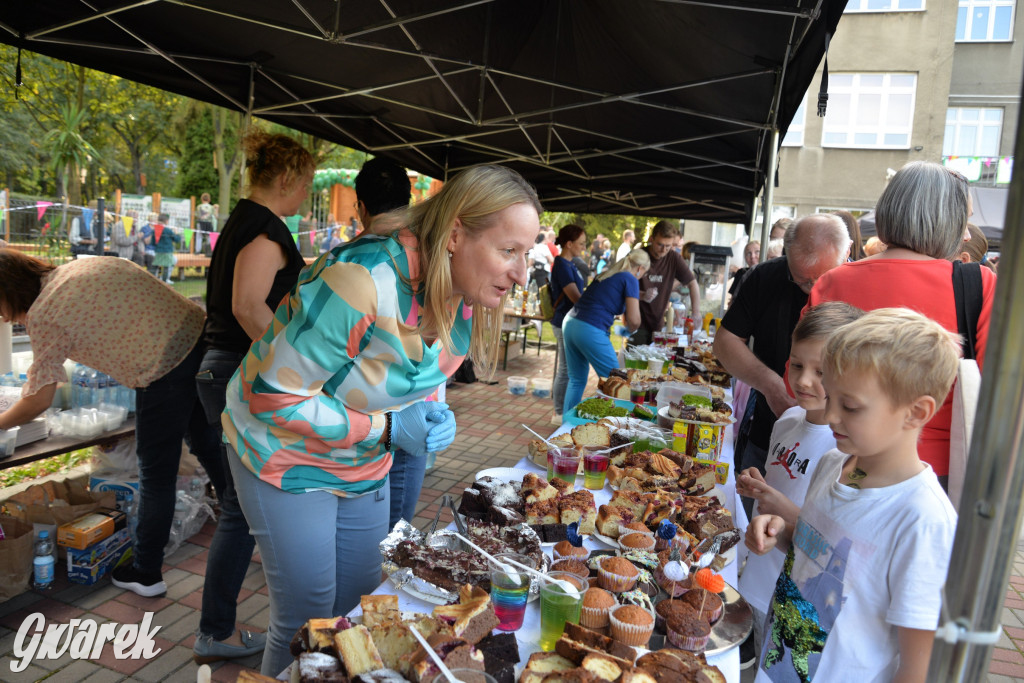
(566, 289)
(615, 291)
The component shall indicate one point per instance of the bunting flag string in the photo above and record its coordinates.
(41, 208)
(158, 231)
(127, 221)
(213, 240)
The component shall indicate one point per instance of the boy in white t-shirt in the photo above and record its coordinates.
(799, 438)
(859, 595)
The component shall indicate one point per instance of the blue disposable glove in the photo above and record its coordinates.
(441, 436)
(411, 425)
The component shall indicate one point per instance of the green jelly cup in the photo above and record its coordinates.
(558, 607)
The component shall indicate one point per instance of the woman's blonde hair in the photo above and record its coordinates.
(638, 258)
(474, 197)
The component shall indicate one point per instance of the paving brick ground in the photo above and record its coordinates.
(490, 435)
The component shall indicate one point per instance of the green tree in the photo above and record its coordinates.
(196, 173)
(69, 150)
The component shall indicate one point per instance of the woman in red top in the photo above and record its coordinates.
(922, 217)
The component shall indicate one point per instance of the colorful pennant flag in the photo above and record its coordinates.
(41, 208)
(213, 240)
(127, 221)
(158, 230)
(188, 238)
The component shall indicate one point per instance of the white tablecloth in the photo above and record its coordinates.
(529, 635)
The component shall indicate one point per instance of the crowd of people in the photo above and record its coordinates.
(307, 392)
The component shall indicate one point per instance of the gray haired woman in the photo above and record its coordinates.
(922, 217)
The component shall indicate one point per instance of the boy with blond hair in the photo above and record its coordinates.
(800, 439)
(859, 594)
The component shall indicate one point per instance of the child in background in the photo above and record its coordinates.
(859, 595)
(799, 439)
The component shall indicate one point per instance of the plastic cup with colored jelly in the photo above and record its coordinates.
(510, 590)
(557, 607)
(637, 392)
(595, 467)
(565, 463)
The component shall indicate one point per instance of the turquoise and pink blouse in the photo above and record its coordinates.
(305, 410)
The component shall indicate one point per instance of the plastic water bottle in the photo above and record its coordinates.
(42, 563)
(102, 388)
(93, 390)
(431, 460)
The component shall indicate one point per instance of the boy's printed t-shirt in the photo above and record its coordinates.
(862, 563)
(796, 448)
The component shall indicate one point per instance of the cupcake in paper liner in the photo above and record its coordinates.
(674, 577)
(631, 625)
(634, 527)
(709, 604)
(597, 603)
(636, 541)
(617, 574)
(688, 633)
(668, 610)
(563, 550)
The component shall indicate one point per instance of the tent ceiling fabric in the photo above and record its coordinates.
(652, 107)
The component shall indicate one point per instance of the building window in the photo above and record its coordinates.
(972, 132)
(795, 134)
(884, 5)
(984, 20)
(871, 111)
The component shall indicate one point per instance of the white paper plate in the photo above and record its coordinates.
(505, 474)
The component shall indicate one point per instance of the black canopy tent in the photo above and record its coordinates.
(661, 108)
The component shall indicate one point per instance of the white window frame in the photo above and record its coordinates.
(861, 6)
(981, 124)
(970, 5)
(795, 133)
(885, 90)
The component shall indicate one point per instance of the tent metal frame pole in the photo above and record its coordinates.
(769, 192)
(990, 508)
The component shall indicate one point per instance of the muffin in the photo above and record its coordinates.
(631, 625)
(673, 588)
(708, 603)
(638, 527)
(636, 541)
(617, 574)
(564, 550)
(573, 566)
(665, 610)
(688, 632)
(597, 603)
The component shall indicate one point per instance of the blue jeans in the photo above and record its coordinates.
(585, 345)
(561, 380)
(232, 545)
(405, 481)
(319, 553)
(167, 411)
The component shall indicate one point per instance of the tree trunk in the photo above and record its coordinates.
(226, 166)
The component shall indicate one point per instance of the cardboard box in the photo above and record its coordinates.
(126, 490)
(93, 527)
(89, 565)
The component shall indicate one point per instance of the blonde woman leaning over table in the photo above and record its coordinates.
(339, 377)
(615, 291)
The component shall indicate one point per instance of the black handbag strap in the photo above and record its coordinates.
(967, 293)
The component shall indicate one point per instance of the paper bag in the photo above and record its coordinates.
(16, 551)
